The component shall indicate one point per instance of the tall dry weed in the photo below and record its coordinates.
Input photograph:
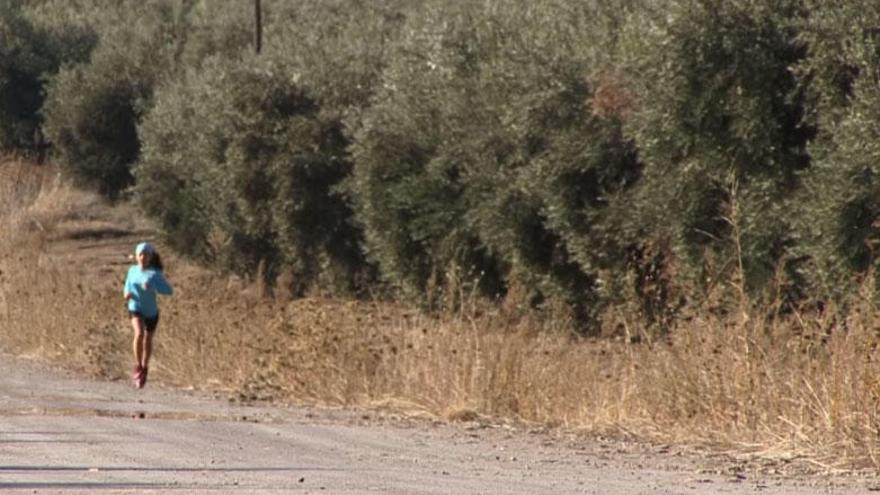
(21, 183)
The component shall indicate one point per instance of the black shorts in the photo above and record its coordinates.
(149, 323)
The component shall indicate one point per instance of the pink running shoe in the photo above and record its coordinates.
(137, 376)
(143, 378)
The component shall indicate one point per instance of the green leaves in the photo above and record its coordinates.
(842, 210)
(240, 165)
(719, 115)
(481, 156)
(29, 54)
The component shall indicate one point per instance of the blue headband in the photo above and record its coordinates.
(144, 247)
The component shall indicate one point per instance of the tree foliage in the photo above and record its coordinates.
(29, 54)
(94, 108)
(480, 134)
(842, 209)
(719, 121)
(241, 165)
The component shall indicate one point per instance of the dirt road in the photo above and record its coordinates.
(61, 433)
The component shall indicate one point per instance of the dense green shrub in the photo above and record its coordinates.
(95, 132)
(211, 28)
(29, 54)
(283, 209)
(240, 167)
(562, 158)
(841, 209)
(20, 68)
(93, 109)
(719, 120)
(481, 155)
(336, 48)
(420, 159)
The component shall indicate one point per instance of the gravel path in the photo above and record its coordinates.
(61, 433)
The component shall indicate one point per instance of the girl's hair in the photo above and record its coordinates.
(155, 262)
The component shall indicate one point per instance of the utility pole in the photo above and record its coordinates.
(258, 26)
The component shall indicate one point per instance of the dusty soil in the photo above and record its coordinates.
(61, 432)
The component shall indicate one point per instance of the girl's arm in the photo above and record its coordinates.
(160, 284)
(126, 287)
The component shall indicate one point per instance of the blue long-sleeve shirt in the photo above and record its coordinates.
(144, 300)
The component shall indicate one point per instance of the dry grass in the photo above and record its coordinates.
(806, 387)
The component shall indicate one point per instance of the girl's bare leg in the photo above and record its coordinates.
(137, 345)
(147, 349)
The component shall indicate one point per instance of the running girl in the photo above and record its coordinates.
(143, 282)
